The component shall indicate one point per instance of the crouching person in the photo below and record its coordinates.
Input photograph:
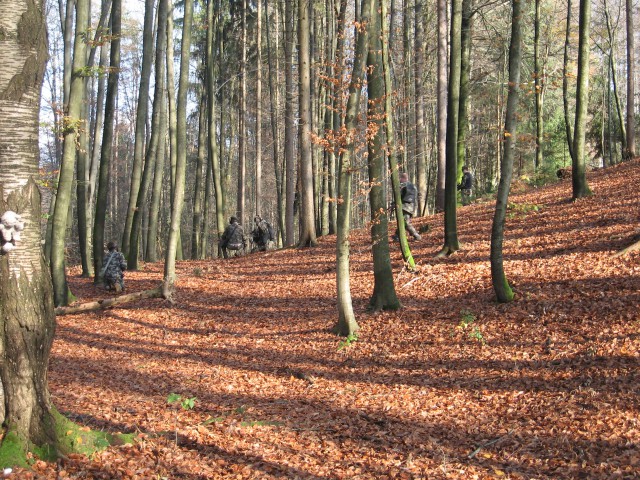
(113, 267)
(232, 238)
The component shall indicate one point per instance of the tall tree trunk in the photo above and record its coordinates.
(307, 210)
(391, 139)
(347, 324)
(465, 74)
(538, 81)
(614, 80)
(156, 192)
(565, 83)
(258, 199)
(579, 174)
(421, 170)
(631, 78)
(157, 141)
(27, 319)
(181, 163)
(274, 73)
(384, 293)
(290, 124)
(500, 284)
(242, 113)
(107, 142)
(214, 157)
(196, 228)
(141, 122)
(72, 127)
(453, 110)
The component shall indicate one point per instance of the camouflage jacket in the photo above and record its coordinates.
(116, 265)
(233, 237)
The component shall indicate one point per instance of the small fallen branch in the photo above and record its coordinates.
(488, 444)
(110, 302)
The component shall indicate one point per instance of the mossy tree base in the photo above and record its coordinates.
(68, 437)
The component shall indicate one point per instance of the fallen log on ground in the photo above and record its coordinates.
(631, 248)
(110, 302)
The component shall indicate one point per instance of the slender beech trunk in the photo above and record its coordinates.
(465, 90)
(631, 78)
(384, 293)
(453, 110)
(181, 163)
(500, 284)
(307, 209)
(203, 131)
(214, 157)
(157, 141)
(614, 80)
(156, 192)
(107, 143)
(421, 170)
(141, 122)
(441, 103)
(538, 81)
(290, 124)
(258, 199)
(274, 73)
(242, 117)
(347, 324)
(391, 140)
(579, 174)
(565, 83)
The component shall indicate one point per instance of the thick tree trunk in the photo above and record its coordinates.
(258, 199)
(579, 174)
(27, 322)
(384, 293)
(500, 284)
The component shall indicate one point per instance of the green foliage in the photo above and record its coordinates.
(187, 403)
(467, 325)
(522, 209)
(346, 342)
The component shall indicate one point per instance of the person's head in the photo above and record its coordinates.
(111, 246)
(233, 220)
(465, 168)
(404, 177)
(257, 219)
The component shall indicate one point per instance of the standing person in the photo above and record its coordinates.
(113, 267)
(232, 238)
(466, 185)
(408, 195)
(262, 234)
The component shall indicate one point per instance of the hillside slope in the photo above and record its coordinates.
(453, 385)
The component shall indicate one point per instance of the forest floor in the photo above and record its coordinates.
(452, 386)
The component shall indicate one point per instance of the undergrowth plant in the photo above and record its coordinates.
(185, 402)
(348, 341)
(468, 326)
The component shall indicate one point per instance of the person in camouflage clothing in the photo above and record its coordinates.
(232, 238)
(262, 235)
(113, 266)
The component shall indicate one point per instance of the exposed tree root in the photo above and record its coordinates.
(110, 302)
(631, 248)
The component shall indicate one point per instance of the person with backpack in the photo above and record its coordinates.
(465, 186)
(262, 234)
(113, 267)
(408, 195)
(232, 239)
